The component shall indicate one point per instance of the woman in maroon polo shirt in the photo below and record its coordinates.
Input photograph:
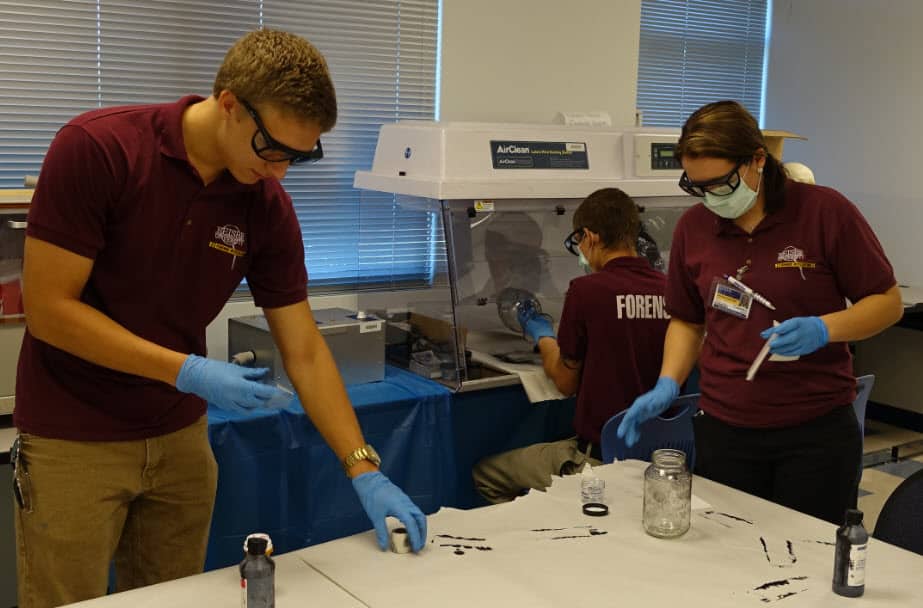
(764, 250)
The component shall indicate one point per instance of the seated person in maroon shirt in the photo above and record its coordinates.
(607, 349)
(144, 222)
(785, 430)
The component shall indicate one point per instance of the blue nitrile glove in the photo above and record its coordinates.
(228, 386)
(381, 498)
(534, 324)
(797, 336)
(652, 403)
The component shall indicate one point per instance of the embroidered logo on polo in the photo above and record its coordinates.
(229, 239)
(792, 257)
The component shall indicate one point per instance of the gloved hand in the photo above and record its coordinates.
(797, 336)
(381, 498)
(228, 386)
(534, 324)
(652, 403)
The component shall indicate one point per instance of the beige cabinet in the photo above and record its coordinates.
(10, 342)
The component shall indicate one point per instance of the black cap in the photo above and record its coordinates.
(256, 545)
(853, 517)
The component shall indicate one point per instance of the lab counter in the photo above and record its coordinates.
(297, 583)
(542, 551)
(893, 356)
(277, 475)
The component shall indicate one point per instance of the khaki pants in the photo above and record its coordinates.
(145, 503)
(503, 477)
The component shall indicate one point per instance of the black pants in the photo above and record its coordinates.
(813, 468)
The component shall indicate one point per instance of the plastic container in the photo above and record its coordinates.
(258, 573)
(592, 489)
(849, 556)
(667, 495)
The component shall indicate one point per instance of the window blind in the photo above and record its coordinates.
(382, 55)
(59, 58)
(48, 58)
(693, 52)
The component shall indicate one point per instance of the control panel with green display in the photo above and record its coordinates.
(663, 156)
(655, 153)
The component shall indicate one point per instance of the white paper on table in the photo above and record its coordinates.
(698, 504)
(538, 386)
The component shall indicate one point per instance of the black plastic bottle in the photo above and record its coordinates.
(257, 576)
(849, 559)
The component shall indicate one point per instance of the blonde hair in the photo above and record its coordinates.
(275, 67)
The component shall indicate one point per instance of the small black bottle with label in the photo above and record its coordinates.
(257, 575)
(849, 557)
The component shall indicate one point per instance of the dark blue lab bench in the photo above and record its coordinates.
(277, 475)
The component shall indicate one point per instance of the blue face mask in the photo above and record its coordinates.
(735, 204)
(584, 264)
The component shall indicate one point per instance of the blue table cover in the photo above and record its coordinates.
(277, 475)
(495, 420)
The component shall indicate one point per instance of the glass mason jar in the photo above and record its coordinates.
(667, 494)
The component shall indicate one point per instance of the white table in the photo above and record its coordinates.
(297, 585)
(741, 551)
(542, 551)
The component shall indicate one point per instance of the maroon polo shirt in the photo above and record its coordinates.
(806, 259)
(613, 321)
(116, 187)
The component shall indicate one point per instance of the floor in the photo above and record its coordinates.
(891, 455)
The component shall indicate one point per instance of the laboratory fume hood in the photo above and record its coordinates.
(498, 201)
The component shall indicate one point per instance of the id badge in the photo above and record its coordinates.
(730, 299)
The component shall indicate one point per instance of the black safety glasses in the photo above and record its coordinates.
(720, 186)
(269, 149)
(573, 240)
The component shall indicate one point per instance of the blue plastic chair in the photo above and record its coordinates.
(864, 386)
(674, 432)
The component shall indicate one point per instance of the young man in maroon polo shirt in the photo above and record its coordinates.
(144, 222)
(607, 348)
(784, 430)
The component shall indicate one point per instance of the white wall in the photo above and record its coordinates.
(526, 60)
(847, 74)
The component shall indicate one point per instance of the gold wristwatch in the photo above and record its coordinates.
(366, 452)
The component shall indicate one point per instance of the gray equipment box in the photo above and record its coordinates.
(358, 345)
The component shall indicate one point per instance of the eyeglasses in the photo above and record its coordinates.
(720, 186)
(573, 240)
(269, 149)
